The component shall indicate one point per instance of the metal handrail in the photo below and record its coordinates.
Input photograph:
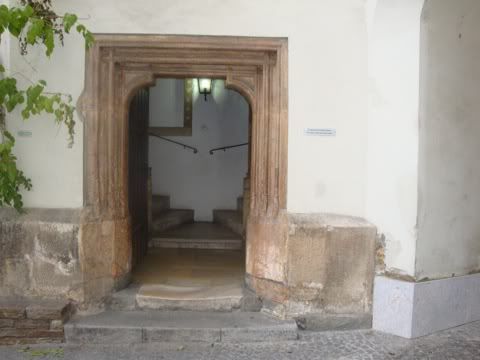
(195, 150)
(224, 148)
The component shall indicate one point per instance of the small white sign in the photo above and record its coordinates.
(320, 132)
(24, 133)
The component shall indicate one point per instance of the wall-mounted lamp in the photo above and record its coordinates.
(205, 87)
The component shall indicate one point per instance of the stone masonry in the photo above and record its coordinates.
(32, 321)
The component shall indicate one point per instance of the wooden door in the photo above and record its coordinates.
(138, 173)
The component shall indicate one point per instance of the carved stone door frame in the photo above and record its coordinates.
(117, 66)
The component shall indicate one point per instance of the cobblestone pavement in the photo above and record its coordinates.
(459, 343)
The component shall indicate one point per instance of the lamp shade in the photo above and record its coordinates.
(205, 87)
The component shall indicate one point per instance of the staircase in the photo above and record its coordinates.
(174, 228)
(165, 218)
(232, 219)
(182, 293)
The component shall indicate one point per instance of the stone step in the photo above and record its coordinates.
(219, 298)
(200, 235)
(169, 219)
(133, 327)
(160, 203)
(198, 243)
(231, 219)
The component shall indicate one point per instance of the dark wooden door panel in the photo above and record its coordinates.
(138, 173)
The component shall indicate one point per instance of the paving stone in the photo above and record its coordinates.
(462, 343)
(456, 344)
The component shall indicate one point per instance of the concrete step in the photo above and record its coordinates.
(169, 219)
(198, 236)
(160, 203)
(219, 298)
(231, 219)
(133, 327)
(199, 243)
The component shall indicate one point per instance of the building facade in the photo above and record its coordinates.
(365, 194)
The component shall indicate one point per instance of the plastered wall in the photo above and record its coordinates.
(327, 89)
(449, 171)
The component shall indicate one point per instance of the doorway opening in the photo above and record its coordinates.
(188, 186)
(117, 67)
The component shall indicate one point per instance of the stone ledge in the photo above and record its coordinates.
(63, 216)
(325, 220)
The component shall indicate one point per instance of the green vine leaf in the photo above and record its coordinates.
(33, 23)
(68, 21)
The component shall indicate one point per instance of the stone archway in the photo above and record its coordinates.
(116, 67)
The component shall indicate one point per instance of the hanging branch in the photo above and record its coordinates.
(34, 23)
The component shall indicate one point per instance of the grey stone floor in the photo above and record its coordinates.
(459, 343)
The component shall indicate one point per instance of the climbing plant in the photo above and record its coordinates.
(33, 23)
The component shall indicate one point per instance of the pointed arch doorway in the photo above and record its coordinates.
(116, 68)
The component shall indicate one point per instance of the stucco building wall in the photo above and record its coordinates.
(449, 171)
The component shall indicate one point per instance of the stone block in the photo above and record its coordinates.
(7, 323)
(12, 311)
(56, 325)
(49, 310)
(31, 333)
(39, 254)
(32, 324)
(331, 262)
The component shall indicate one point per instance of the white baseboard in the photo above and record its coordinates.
(411, 309)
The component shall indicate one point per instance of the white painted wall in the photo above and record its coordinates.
(201, 181)
(166, 103)
(394, 62)
(327, 88)
(449, 172)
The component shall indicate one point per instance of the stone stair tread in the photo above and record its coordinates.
(178, 326)
(198, 230)
(179, 319)
(160, 202)
(231, 219)
(172, 212)
(197, 244)
(197, 235)
(168, 219)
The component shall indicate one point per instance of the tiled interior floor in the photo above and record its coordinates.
(192, 274)
(190, 267)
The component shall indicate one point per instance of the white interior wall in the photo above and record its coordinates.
(201, 181)
(449, 173)
(166, 103)
(327, 89)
